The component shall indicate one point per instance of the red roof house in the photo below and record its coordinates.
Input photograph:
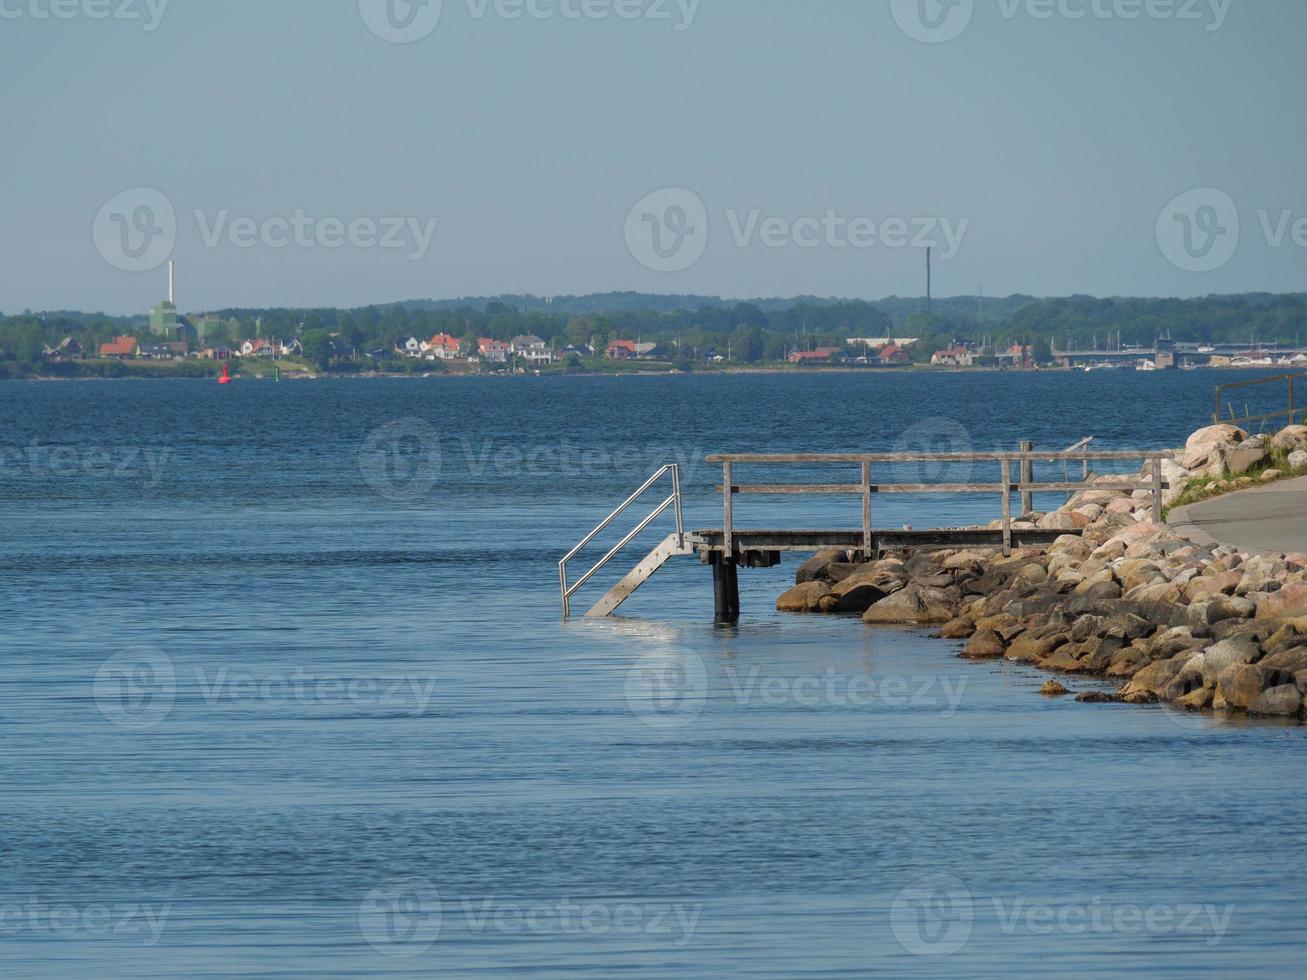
(121, 347)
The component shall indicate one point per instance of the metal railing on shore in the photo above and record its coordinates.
(1289, 413)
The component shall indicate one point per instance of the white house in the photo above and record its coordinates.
(533, 350)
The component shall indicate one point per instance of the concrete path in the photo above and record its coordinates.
(1267, 520)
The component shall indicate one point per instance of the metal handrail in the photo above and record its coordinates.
(673, 501)
(1291, 412)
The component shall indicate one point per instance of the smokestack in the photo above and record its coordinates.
(170, 292)
(928, 289)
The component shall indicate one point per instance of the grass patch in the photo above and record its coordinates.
(1206, 487)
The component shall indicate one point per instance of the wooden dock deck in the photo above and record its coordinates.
(731, 547)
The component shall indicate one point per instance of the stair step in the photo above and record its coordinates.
(670, 547)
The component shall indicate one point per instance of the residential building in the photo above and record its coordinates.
(442, 347)
(892, 355)
(822, 355)
(257, 348)
(953, 357)
(493, 351)
(120, 347)
(533, 350)
(412, 348)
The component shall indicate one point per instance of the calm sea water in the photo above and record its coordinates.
(284, 691)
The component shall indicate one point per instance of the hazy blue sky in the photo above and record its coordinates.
(1051, 146)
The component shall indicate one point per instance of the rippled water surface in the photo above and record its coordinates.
(284, 691)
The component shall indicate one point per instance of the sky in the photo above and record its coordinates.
(347, 152)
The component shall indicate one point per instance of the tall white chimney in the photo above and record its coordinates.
(170, 292)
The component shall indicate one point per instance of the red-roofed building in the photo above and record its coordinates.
(621, 350)
(822, 355)
(120, 348)
(953, 357)
(893, 354)
(494, 351)
(443, 346)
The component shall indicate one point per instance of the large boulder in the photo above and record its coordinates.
(1200, 447)
(816, 567)
(1284, 701)
(1240, 685)
(985, 645)
(1289, 602)
(859, 592)
(1290, 439)
(1298, 459)
(1217, 659)
(803, 598)
(1153, 679)
(907, 608)
(1238, 460)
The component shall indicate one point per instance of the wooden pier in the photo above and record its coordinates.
(731, 547)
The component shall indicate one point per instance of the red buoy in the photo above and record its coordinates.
(226, 375)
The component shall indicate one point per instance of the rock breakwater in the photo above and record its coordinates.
(1202, 627)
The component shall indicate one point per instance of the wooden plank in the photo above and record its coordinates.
(710, 541)
(933, 457)
(1007, 507)
(1027, 478)
(728, 508)
(866, 510)
(1157, 491)
(850, 489)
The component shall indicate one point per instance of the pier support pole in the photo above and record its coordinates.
(1027, 477)
(725, 589)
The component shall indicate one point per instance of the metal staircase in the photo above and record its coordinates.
(673, 545)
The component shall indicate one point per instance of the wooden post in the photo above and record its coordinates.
(1157, 491)
(866, 511)
(1293, 413)
(728, 511)
(1027, 477)
(726, 590)
(1007, 507)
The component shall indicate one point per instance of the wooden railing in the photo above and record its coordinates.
(1025, 484)
(1289, 413)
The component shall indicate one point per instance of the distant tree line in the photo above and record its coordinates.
(747, 332)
